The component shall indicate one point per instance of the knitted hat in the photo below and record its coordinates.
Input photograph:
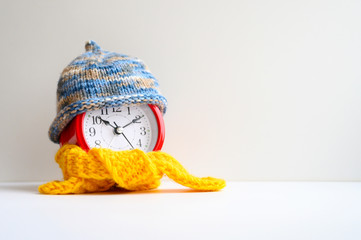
(98, 79)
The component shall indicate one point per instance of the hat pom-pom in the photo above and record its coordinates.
(91, 46)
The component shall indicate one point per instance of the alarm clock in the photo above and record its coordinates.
(117, 128)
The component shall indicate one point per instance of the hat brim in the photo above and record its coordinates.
(69, 112)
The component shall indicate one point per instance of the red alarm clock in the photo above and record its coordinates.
(117, 128)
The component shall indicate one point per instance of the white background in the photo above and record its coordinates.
(257, 90)
(242, 210)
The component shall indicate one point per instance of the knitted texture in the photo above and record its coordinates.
(100, 169)
(98, 79)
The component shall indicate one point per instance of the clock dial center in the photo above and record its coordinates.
(118, 130)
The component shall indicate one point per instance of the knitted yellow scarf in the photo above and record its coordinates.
(100, 169)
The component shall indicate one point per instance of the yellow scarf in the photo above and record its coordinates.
(100, 169)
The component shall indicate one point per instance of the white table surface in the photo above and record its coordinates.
(243, 210)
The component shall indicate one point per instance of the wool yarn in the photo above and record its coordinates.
(99, 79)
(101, 169)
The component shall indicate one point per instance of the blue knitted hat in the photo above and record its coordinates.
(98, 79)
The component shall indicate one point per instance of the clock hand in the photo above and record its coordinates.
(118, 130)
(106, 122)
(133, 121)
(117, 127)
(127, 140)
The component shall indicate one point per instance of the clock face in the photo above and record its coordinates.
(121, 128)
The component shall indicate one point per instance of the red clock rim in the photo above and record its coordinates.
(79, 120)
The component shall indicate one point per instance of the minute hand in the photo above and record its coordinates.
(133, 121)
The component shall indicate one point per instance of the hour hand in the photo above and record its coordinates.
(106, 122)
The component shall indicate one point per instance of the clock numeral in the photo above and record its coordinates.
(96, 120)
(104, 111)
(128, 110)
(139, 143)
(143, 132)
(97, 143)
(137, 119)
(118, 109)
(92, 132)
